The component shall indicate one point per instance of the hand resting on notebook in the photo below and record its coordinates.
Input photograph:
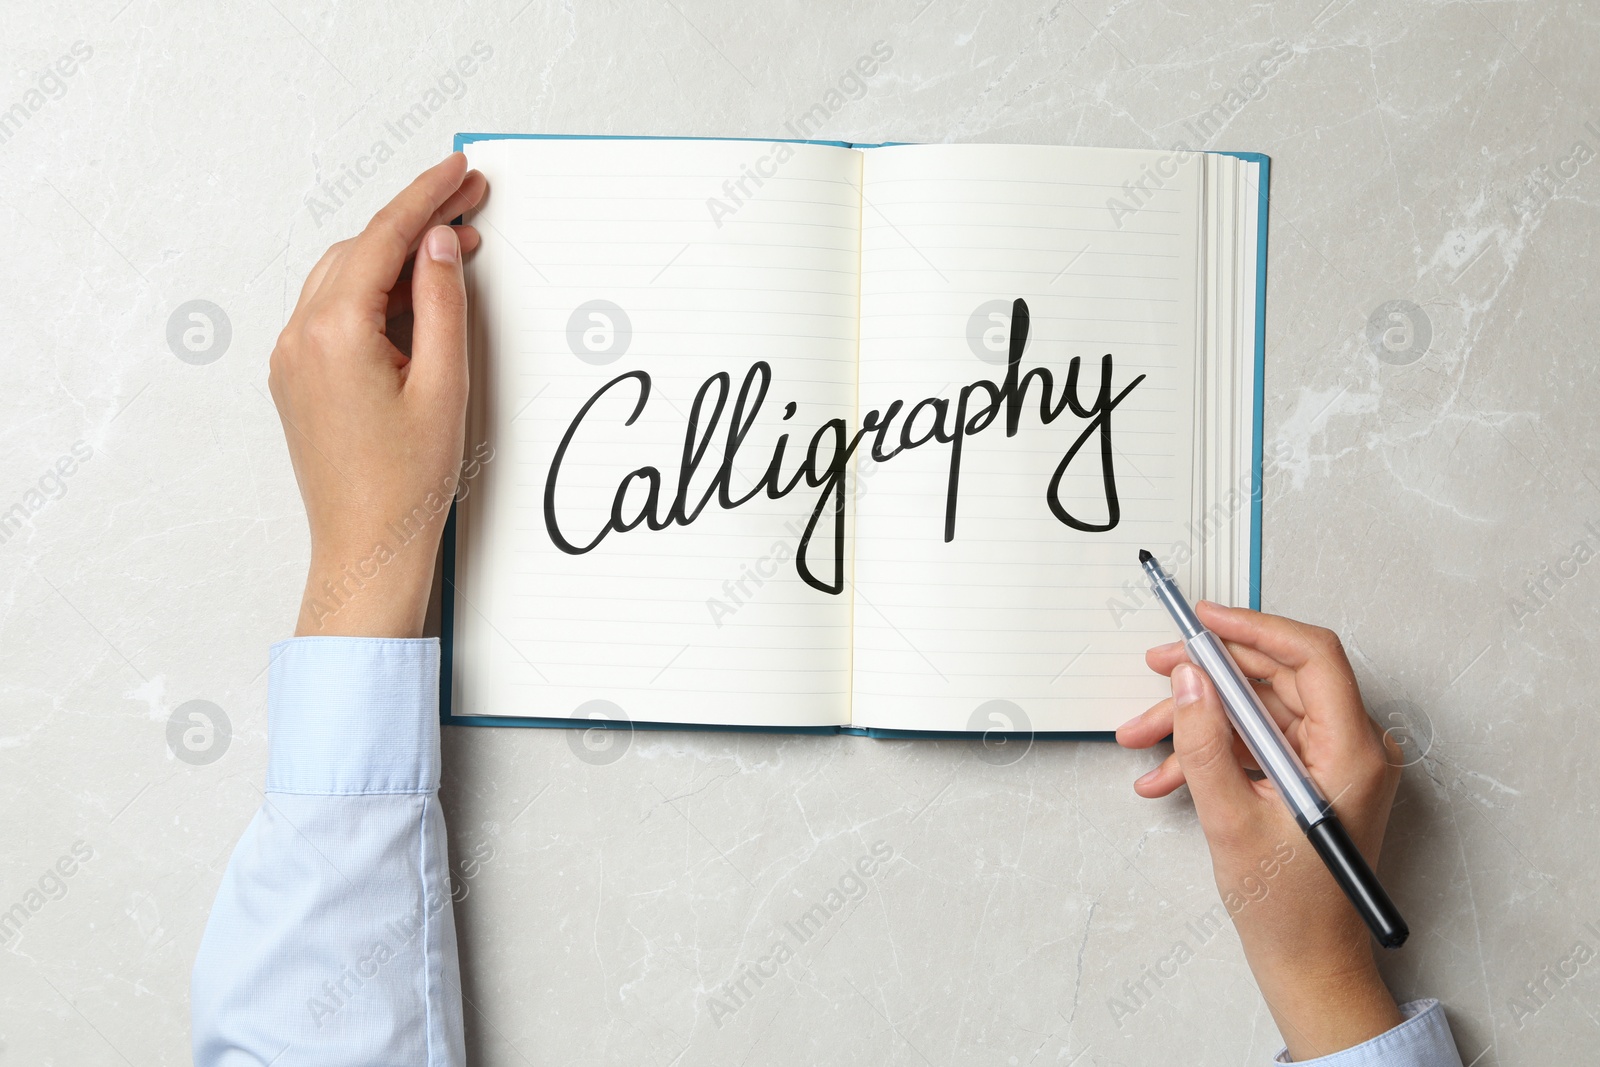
(1310, 952)
(375, 434)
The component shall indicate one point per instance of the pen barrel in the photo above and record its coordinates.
(1350, 869)
(1272, 751)
(1166, 591)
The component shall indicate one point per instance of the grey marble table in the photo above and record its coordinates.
(1439, 507)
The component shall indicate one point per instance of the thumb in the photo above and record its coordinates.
(439, 336)
(1202, 738)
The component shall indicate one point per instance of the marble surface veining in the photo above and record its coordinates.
(1438, 505)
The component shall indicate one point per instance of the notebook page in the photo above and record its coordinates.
(1210, 537)
(1244, 410)
(1220, 535)
(682, 260)
(1021, 620)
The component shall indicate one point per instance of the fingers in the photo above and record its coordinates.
(1280, 693)
(438, 369)
(1254, 662)
(1147, 728)
(400, 295)
(1296, 645)
(1168, 774)
(468, 196)
(1203, 743)
(372, 263)
(1306, 664)
(1335, 726)
(1155, 725)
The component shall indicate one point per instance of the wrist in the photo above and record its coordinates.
(1320, 1014)
(374, 597)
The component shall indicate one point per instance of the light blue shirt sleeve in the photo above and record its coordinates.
(332, 940)
(1422, 1040)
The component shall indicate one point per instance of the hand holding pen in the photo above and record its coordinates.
(1310, 951)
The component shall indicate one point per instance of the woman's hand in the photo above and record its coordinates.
(1310, 952)
(376, 434)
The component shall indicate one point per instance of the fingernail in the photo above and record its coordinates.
(1185, 685)
(443, 247)
(1168, 647)
(1130, 722)
(1145, 778)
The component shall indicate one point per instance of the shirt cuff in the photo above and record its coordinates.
(353, 715)
(1422, 1040)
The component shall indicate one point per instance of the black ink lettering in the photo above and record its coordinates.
(694, 450)
(739, 428)
(940, 407)
(964, 427)
(1015, 393)
(1104, 404)
(550, 524)
(831, 447)
(883, 428)
(831, 481)
(648, 511)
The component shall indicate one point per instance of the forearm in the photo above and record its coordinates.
(332, 939)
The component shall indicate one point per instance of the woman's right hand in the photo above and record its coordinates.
(1309, 950)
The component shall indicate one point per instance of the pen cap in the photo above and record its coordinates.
(1349, 868)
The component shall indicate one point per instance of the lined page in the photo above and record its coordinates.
(680, 259)
(1022, 621)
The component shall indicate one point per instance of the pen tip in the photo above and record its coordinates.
(1145, 556)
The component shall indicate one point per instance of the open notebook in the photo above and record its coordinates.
(813, 436)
